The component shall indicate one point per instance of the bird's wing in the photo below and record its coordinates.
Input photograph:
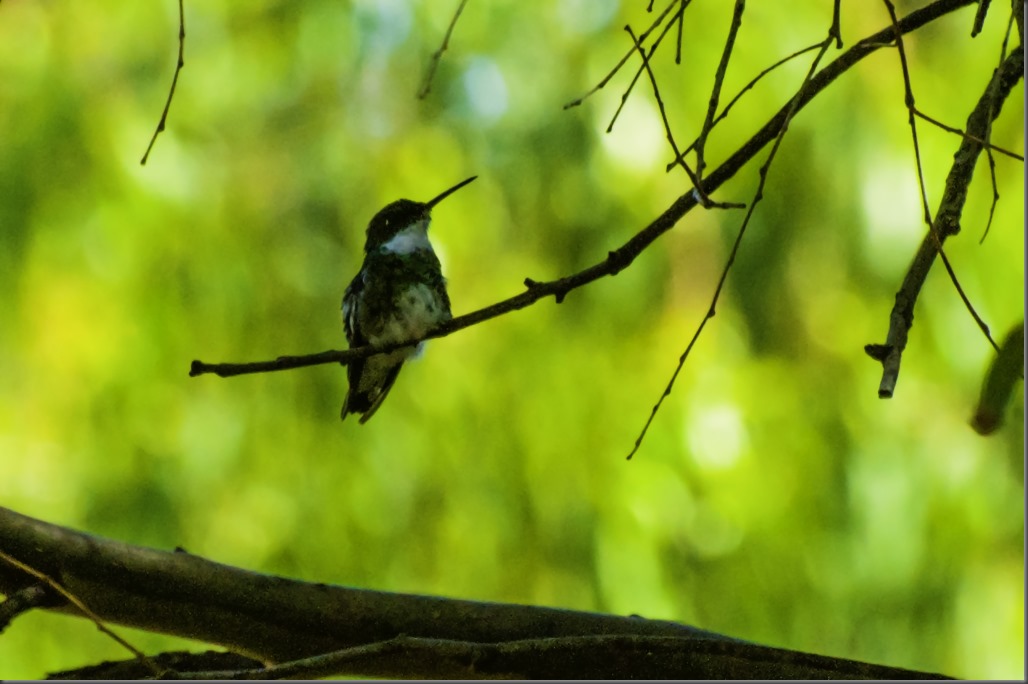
(351, 304)
(351, 315)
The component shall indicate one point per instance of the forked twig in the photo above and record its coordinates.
(947, 219)
(988, 149)
(964, 134)
(738, 96)
(704, 199)
(644, 65)
(793, 107)
(617, 67)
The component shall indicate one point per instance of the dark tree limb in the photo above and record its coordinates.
(356, 631)
(270, 618)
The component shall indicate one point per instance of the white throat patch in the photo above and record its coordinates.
(411, 239)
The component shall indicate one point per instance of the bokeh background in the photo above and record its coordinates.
(776, 498)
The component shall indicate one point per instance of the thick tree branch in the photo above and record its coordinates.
(623, 256)
(265, 617)
(333, 629)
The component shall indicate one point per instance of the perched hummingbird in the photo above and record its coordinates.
(399, 294)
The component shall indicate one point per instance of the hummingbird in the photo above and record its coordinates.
(398, 294)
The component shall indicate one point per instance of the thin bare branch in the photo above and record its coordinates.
(678, 40)
(715, 93)
(704, 199)
(426, 86)
(617, 67)
(738, 96)
(979, 17)
(792, 108)
(639, 71)
(963, 134)
(656, 93)
(947, 220)
(836, 29)
(988, 149)
(174, 82)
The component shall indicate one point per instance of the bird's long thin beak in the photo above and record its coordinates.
(439, 198)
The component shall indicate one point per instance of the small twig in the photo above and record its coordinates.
(617, 67)
(979, 17)
(908, 97)
(988, 150)
(793, 107)
(1018, 14)
(656, 92)
(704, 199)
(963, 134)
(995, 193)
(715, 93)
(678, 41)
(75, 601)
(836, 29)
(951, 228)
(438, 54)
(639, 71)
(174, 81)
(947, 220)
(738, 96)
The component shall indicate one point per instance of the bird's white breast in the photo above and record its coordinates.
(410, 239)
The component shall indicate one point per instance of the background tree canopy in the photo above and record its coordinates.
(775, 498)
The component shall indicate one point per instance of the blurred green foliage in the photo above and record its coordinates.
(776, 498)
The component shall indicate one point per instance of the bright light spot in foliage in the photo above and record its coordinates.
(486, 89)
(716, 436)
(636, 141)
